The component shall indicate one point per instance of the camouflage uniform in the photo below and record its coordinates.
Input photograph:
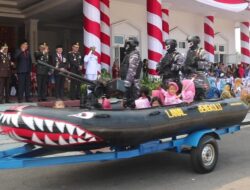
(170, 65)
(196, 60)
(133, 75)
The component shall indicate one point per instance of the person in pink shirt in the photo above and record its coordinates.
(188, 91)
(144, 100)
(171, 97)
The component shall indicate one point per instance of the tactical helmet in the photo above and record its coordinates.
(171, 43)
(132, 41)
(193, 40)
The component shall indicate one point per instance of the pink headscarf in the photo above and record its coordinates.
(159, 94)
(188, 91)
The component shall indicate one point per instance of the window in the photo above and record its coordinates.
(222, 48)
(182, 45)
(119, 40)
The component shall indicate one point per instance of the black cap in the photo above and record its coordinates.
(59, 46)
(23, 42)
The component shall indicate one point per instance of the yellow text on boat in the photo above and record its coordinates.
(210, 108)
(175, 112)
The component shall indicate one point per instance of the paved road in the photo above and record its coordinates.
(163, 171)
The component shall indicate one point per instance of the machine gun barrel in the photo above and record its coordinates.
(68, 74)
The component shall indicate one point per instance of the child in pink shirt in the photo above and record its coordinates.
(171, 97)
(144, 100)
(188, 91)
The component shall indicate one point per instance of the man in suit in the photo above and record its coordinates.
(5, 73)
(23, 67)
(60, 63)
(42, 71)
(75, 66)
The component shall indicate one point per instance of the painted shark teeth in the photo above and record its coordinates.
(79, 131)
(65, 133)
(39, 123)
(4, 118)
(92, 139)
(60, 126)
(81, 140)
(49, 124)
(88, 136)
(8, 118)
(29, 122)
(14, 119)
(72, 141)
(70, 128)
(48, 141)
(36, 139)
(61, 141)
(17, 137)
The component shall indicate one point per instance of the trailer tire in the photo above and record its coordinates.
(205, 156)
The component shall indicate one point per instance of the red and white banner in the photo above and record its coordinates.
(209, 37)
(244, 36)
(155, 48)
(105, 34)
(230, 5)
(91, 27)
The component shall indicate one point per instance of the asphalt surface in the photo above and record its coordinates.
(161, 171)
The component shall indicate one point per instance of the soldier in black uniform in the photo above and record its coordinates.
(5, 73)
(196, 59)
(75, 66)
(42, 71)
(59, 61)
(132, 70)
(195, 66)
(170, 65)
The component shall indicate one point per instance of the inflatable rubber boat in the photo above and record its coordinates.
(74, 127)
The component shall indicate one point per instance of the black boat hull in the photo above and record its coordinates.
(84, 128)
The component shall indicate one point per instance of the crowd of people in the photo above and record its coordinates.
(48, 75)
(22, 78)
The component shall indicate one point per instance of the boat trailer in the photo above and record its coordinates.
(202, 145)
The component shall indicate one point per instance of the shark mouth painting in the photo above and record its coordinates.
(44, 131)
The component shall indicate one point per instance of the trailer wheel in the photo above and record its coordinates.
(205, 156)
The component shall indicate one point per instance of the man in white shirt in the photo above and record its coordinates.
(91, 65)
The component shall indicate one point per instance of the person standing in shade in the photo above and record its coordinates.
(5, 74)
(59, 61)
(145, 68)
(75, 66)
(23, 67)
(42, 71)
(91, 65)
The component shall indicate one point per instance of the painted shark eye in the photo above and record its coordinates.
(84, 115)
